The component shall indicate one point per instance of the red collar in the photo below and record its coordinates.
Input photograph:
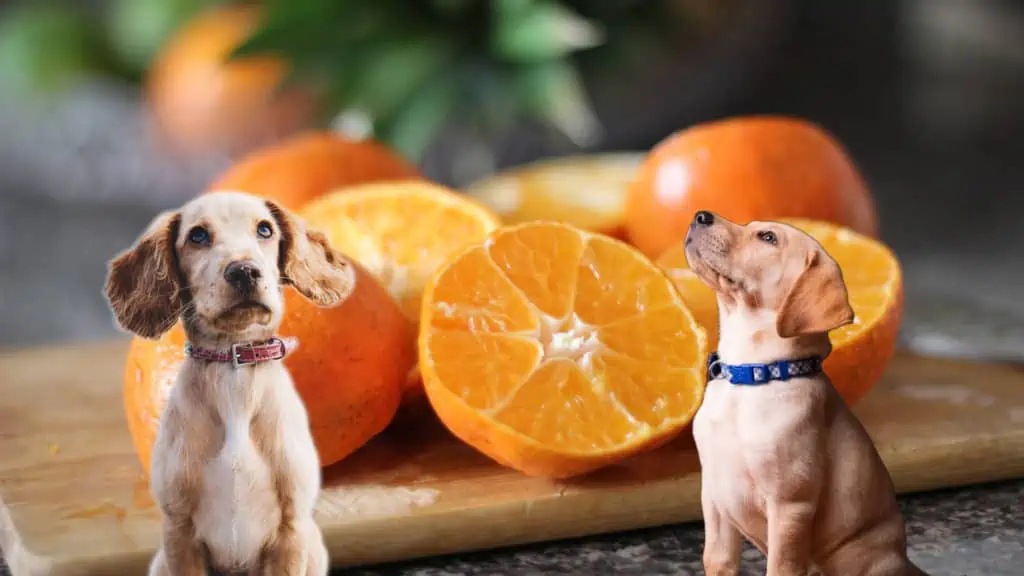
(245, 353)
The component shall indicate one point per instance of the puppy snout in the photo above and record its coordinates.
(242, 275)
(703, 218)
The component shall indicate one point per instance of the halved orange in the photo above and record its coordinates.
(874, 280)
(588, 192)
(400, 231)
(556, 351)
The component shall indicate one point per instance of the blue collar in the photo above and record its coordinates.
(757, 374)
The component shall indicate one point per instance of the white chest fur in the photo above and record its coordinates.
(238, 509)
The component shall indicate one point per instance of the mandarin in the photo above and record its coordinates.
(306, 166)
(588, 192)
(556, 351)
(202, 103)
(349, 369)
(746, 168)
(401, 232)
(860, 351)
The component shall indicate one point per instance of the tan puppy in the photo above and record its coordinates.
(785, 463)
(234, 468)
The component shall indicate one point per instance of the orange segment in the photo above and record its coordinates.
(607, 362)
(478, 298)
(582, 416)
(614, 283)
(645, 390)
(588, 192)
(658, 334)
(488, 367)
(534, 261)
(874, 281)
(400, 231)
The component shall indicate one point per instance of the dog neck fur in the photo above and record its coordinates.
(223, 341)
(748, 335)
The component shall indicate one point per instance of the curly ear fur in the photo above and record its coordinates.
(144, 285)
(309, 264)
(817, 302)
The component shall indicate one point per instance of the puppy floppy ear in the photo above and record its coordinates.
(307, 262)
(144, 284)
(817, 302)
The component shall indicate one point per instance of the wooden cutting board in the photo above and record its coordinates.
(74, 500)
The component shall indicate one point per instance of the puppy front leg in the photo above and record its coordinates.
(287, 556)
(722, 542)
(790, 533)
(179, 554)
(319, 564)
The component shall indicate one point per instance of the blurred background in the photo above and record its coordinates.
(112, 110)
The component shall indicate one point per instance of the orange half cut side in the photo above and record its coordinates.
(556, 351)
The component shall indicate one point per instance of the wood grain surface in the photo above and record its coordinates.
(73, 500)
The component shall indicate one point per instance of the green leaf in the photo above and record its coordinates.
(299, 34)
(393, 71)
(512, 9)
(540, 30)
(418, 123)
(554, 92)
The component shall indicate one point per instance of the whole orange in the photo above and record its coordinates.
(745, 168)
(309, 165)
(349, 369)
(149, 372)
(203, 103)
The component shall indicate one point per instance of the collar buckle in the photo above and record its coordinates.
(236, 354)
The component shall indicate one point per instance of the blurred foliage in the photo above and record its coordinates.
(138, 28)
(408, 66)
(46, 48)
(404, 68)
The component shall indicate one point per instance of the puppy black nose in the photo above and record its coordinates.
(704, 218)
(242, 275)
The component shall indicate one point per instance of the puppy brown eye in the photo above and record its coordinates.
(768, 237)
(264, 230)
(199, 235)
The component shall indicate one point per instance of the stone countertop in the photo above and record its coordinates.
(967, 532)
(976, 531)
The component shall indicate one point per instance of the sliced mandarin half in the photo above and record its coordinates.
(400, 231)
(556, 351)
(874, 280)
(588, 192)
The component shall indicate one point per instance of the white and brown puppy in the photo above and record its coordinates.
(784, 461)
(234, 468)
